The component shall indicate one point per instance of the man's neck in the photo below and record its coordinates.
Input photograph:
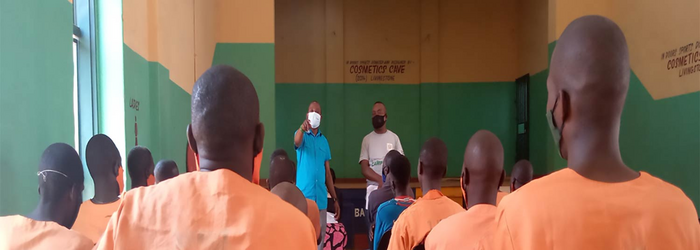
(403, 192)
(315, 131)
(481, 195)
(380, 130)
(138, 183)
(106, 192)
(599, 159)
(237, 166)
(47, 212)
(430, 185)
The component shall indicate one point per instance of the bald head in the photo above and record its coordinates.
(225, 131)
(278, 152)
(388, 159)
(166, 169)
(522, 174)
(588, 79)
(291, 194)
(102, 158)
(139, 164)
(433, 159)
(60, 168)
(60, 183)
(483, 167)
(314, 106)
(282, 169)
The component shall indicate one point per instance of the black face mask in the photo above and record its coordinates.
(378, 121)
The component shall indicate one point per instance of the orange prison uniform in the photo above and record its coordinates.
(92, 218)
(206, 210)
(19, 232)
(417, 220)
(313, 213)
(564, 210)
(499, 196)
(464, 230)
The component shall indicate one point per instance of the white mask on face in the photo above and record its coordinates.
(314, 119)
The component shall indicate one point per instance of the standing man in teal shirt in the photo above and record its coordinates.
(313, 167)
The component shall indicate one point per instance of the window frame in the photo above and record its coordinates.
(87, 88)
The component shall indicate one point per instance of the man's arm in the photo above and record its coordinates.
(299, 135)
(369, 173)
(331, 189)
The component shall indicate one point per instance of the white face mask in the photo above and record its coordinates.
(314, 119)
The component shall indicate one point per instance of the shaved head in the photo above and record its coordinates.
(483, 167)
(521, 175)
(388, 159)
(282, 169)
(60, 184)
(166, 169)
(432, 164)
(314, 106)
(433, 158)
(278, 152)
(588, 79)
(102, 158)
(139, 164)
(60, 169)
(399, 169)
(225, 131)
(291, 194)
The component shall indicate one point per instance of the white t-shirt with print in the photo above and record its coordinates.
(375, 147)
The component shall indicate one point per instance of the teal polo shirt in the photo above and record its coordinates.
(312, 155)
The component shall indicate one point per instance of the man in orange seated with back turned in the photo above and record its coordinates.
(481, 171)
(597, 202)
(217, 207)
(60, 191)
(416, 221)
(105, 166)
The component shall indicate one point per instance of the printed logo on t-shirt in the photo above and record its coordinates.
(389, 146)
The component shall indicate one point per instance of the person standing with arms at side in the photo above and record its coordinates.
(375, 146)
(313, 170)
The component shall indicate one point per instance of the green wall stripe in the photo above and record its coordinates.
(164, 110)
(36, 94)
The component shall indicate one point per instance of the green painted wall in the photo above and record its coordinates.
(257, 62)
(451, 111)
(163, 110)
(36, 93)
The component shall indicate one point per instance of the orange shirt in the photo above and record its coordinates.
(206, 210)
(314, 215)
(417, 220)
(499, 196)
(464, 230)
(565, 210)
(19, 232)
(92, 218)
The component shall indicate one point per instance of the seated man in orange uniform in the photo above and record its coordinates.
(60, 194)
(217, 207)
(105, 166)
(481, 171)
(416, 221)
(597, 202)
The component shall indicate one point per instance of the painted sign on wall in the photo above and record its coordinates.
(377, 70)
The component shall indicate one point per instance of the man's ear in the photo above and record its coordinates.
(191, 140)
(259, 137)
(420, 167)
(444, 172)
(465, 178)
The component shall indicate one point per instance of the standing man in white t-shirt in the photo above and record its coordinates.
(375, 145)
